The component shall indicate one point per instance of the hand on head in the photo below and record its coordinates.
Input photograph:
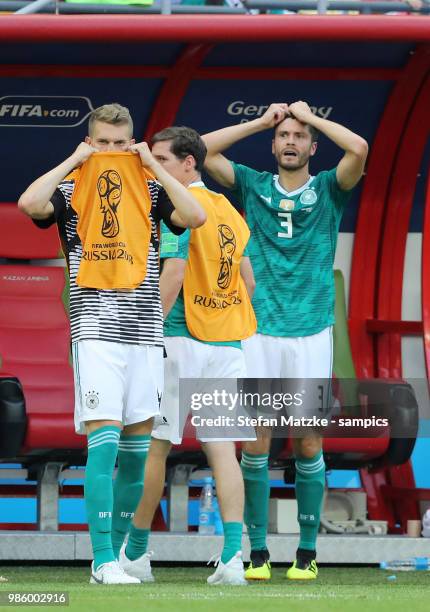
(276, 113)
(301, 111)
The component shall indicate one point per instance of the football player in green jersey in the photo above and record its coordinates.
(294, 219)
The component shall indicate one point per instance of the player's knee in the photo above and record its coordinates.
(260, 446)
(159, 449)
(307, 447)
(219, 450)
(143, 428)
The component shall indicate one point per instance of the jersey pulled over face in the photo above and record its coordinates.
(292, 248)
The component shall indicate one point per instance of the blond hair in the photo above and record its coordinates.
(114, 114)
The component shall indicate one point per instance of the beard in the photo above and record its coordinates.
(294, 163)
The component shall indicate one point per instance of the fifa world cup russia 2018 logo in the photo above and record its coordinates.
(227, 244)
(109, 187)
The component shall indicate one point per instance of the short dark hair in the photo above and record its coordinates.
(313, 130)
(185, 141)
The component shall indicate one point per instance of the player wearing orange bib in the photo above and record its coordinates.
(107, 204)
(208, 312)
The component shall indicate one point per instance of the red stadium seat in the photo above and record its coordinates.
(34, 332)
(22, 240)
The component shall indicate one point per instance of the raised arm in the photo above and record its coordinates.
(216, 164)
(351, 166)
(35, 201)
(188, 212)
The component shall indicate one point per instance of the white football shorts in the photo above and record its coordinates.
(118, 382)
(189, 358)
(304, 364)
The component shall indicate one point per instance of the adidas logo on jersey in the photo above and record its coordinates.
(266, 199)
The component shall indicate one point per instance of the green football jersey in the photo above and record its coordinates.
(292, 248)
(175, 322)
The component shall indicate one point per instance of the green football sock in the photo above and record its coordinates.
(232, 540)
(137, 543)
(255, 470)
(310, 483)
(98, 491)
(128, 486)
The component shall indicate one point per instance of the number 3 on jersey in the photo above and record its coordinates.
(288, 223)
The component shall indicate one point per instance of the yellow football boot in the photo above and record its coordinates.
(306, 571)
(259, 568)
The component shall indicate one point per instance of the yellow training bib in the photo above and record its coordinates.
(217, 305)
(112, 200)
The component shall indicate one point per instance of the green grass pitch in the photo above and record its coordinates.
(185, 590)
